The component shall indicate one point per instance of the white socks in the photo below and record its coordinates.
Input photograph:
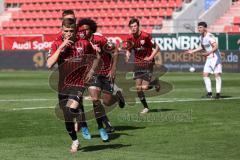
(218, 84)
(208, 85)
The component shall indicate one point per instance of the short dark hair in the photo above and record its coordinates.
(88, 21)
(133, 20)
(68, 12)
(69, 23)
(204, 24)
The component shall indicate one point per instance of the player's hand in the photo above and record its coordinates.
(67, 42)
(148, 58)
(189, 52)
(111, 75)
(89, 76)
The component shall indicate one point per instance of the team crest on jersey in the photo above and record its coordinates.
(142, 42)
(80, 50)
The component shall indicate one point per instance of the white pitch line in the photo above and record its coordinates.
(188, 100)
(26, 100)
(150, 101)
(32, 108)
(35, 99)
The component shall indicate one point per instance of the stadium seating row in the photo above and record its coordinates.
(37, 15)
(99, 5)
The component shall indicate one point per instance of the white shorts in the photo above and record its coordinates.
(212, 65)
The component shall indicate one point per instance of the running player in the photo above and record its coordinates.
(69, 14)
(213, 62)
(67, 53)
(142, 48)
(104, 78)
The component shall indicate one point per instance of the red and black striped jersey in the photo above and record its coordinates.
(74, 62)
(142, 47)
(106, 57)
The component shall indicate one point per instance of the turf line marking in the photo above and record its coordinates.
(26, 100)
(32, 108)
(189, 100)
(150, 101)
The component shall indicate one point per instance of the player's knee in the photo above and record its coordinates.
(72, 103)
(205, 74)
(145, 87)
(217, 75)
(139, 87)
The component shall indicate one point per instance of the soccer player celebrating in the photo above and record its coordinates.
(70, 53)
(69, 14)
(103, 79)
(213, 59)
(142, 48)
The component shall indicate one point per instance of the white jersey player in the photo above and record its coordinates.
(213, 63)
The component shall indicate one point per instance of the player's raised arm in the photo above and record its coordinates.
(68, 31)
(54, 57)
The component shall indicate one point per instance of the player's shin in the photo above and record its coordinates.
(69, 123)
(81, 119)
(208, 85)
(106, 121)
(142, 98)
(99, 112)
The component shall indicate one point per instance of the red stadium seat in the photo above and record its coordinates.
(227, 29)
(110, 15)
(235, 29)
(169, 12)
(236, 20)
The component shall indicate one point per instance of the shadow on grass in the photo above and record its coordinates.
(225, 96)
(112, 136)
(161, 110)
(103, 147)
(124, 128)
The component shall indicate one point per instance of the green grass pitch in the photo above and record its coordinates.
(180, 126)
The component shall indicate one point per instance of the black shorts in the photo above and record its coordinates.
(103, 83)
(144, 71)
(74, 93)
(145, 75)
